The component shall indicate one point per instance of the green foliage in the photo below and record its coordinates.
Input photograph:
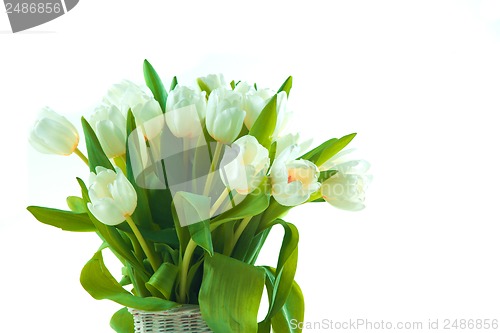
(62, 219)
(154, 83)
(230, 294)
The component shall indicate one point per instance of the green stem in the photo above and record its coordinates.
(219, 201)
(239, 231)
(149, 254)
(210, 177)
(191, 246)
(80, 154)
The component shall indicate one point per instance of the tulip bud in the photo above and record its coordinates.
(346, 189)
(244, 164)
(53, 134)
(185, 112)
(126, 95)
(225, 115)
(214, 81)
(112, 196)
(110, 126)
(293, 181)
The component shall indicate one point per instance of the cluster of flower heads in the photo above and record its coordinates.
(227, 113)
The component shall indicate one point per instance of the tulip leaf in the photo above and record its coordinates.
(333, 149)
(292, 309)
(230, 294)
(203, 86)
(264, 126)
(97, 157)
(62, 219)
(142, 214)
(163, 280)
(173, 84)
(193, 210)
(76, 204)
(253, 204)
(122, 321)
(324, 175)
(327, 149)
(100, 284)
(232, 84)
(286, 86)
(154, 83)
(287, 266)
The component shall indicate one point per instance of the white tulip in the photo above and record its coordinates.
(290, 139)
(185, 112)
(254, 101)
(110, 127)
(293, 181)
(225, 115)
(149, 117)
(126, 95)
(53, 134)
(346, 189)
(112, 196)
(244, 164)
(214, 81)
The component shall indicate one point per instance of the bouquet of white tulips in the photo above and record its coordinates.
(185, 185)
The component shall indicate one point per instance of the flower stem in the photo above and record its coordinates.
(239, 231)
(188, 254)
(210, 177)
(83, 157)
(144, 245)
(219, 201)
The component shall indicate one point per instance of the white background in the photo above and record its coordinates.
(419, 81)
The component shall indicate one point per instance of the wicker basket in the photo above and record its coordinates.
(186, 318)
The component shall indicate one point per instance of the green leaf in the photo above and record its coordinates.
(193, 210)
(293, 309)
(327, 149)
(333, 149)
(62, 219)
(154, 83)
(324, 175)
(253, 204)
(286, 86)
(287, 266)
(100, 284)
(233, 85)
(97, 157)
(230, 294)
(163, 280)
(174, 83)
(142, 214)
(76, 204)
(264, 126)
(122, 321)
(203, 86)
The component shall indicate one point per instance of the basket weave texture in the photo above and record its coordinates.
(186, 318)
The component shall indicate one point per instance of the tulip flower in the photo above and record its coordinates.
(225, 115)
(185, 112)
(213, 81)
(346, 189)
(126, 95)
(293, 181)
(254, 101)
(54, 134)
(110, 126)
(112, 197)
(149, 117)
(244, 164)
